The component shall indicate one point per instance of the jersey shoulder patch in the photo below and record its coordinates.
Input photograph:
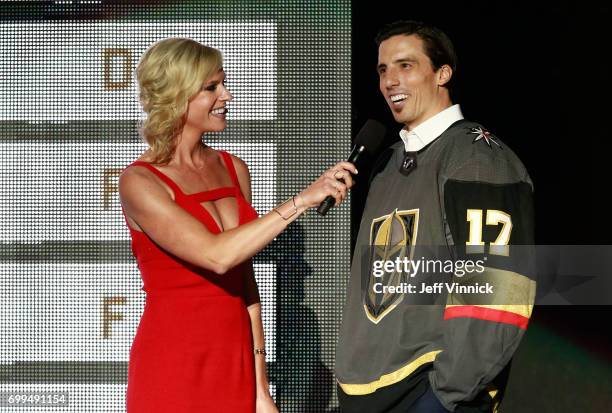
(481, 134)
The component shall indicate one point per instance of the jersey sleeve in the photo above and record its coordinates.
(488, 214)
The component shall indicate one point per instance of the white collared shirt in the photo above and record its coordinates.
(428, 131)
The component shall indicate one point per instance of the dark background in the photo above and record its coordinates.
(538, 76)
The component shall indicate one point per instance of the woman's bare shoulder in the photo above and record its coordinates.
(136, 179)
(242, 169)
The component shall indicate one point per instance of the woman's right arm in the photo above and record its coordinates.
(149, 204)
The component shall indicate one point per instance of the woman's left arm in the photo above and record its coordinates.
(265, 404)
(264, 400)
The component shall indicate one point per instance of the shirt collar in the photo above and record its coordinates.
(427, 132)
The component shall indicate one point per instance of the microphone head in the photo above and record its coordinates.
(371, 135)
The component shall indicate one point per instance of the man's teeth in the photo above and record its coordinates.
(220, 111)
(398, 98)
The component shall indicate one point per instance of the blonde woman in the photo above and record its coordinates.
(199, 346)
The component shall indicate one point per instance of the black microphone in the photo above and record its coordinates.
(368, 140)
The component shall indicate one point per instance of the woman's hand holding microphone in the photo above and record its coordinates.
(334, 182)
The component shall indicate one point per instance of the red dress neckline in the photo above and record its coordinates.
(203, 196)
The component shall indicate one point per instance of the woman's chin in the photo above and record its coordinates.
(215, 128)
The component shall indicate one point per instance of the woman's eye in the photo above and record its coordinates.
(211, 88)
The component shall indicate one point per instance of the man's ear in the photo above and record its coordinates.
(444, 74)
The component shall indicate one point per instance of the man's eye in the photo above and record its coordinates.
(406, 65)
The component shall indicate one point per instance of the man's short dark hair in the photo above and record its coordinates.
(438, 47)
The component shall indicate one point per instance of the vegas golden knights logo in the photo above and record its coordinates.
(391, 236)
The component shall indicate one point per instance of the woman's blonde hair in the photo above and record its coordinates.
(169, 74)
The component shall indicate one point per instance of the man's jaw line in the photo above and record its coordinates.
(424, 117)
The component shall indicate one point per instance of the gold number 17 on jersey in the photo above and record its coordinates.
(475, 244)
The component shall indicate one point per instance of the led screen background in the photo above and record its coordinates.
(70, 290)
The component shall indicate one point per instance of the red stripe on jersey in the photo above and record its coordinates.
(489, 314)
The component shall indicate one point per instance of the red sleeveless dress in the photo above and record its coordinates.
(193, 349)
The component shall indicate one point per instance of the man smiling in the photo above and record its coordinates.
(414, 86)
(449, 182)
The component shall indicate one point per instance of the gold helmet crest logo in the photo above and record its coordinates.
(392, 236)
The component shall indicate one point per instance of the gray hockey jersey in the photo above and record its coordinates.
(470, 196)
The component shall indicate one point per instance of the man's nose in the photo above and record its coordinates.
(391, 79)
